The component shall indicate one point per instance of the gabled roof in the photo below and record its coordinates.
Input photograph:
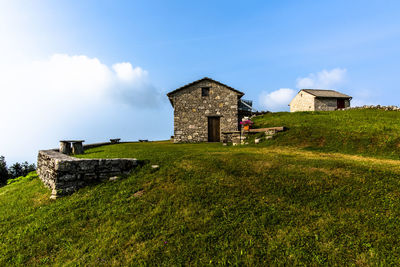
(204, 79)
(325, 93)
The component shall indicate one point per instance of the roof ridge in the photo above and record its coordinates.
(325, 93)
(202, 79)
(319, 89)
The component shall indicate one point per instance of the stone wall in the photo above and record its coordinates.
(64, 174)
(302, 102)
(387, 108)
(328, 104)
(233, 138)
(191, 111)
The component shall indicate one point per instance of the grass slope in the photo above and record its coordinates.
(367, 131)
(209, 204)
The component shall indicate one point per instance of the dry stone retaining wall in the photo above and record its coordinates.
(64, 174)
(394, 108)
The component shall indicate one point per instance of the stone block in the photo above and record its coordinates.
(90, 176)
(68, 177)
(88, 165)
(116, 169)
(103, 176)
(114, 178)
(64, 166)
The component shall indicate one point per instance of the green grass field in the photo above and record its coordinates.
(278, 203)
(365, 132)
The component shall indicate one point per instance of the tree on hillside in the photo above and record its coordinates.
(15, 170)
(27, 168)
(20, 169)
(3, 171)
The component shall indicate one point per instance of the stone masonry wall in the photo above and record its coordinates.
(328, 104)
(386, 108)
(303, 101)
(64, 174)
(191, 111)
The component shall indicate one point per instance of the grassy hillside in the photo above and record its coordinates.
(367, 132)
(210, 204)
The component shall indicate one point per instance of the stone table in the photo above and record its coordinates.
(77, 146)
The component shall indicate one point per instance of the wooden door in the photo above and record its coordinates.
(340, 103)
(213, 129)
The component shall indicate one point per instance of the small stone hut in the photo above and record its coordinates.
(319, 100)
(204, 109)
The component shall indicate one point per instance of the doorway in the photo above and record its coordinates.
(213, 129)
(340, 103)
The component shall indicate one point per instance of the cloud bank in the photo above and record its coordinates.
(68, 96)
(279, 100)
(325, 79)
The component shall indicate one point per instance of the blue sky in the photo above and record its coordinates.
(95, 70)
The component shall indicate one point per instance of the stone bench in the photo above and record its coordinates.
(77, 147)
(267, 130)
(233, 137)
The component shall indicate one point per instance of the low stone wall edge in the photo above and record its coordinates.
(65, 174)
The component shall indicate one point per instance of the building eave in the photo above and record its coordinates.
(313, 93)
(204, 79)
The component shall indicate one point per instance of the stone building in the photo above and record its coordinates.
(205, 108)
(319, 100)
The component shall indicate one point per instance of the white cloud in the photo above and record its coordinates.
(277, 100)
(363, 97)
(326, 79)
(126, 73)
(361, 102)
(133, 86)
(44, 101)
